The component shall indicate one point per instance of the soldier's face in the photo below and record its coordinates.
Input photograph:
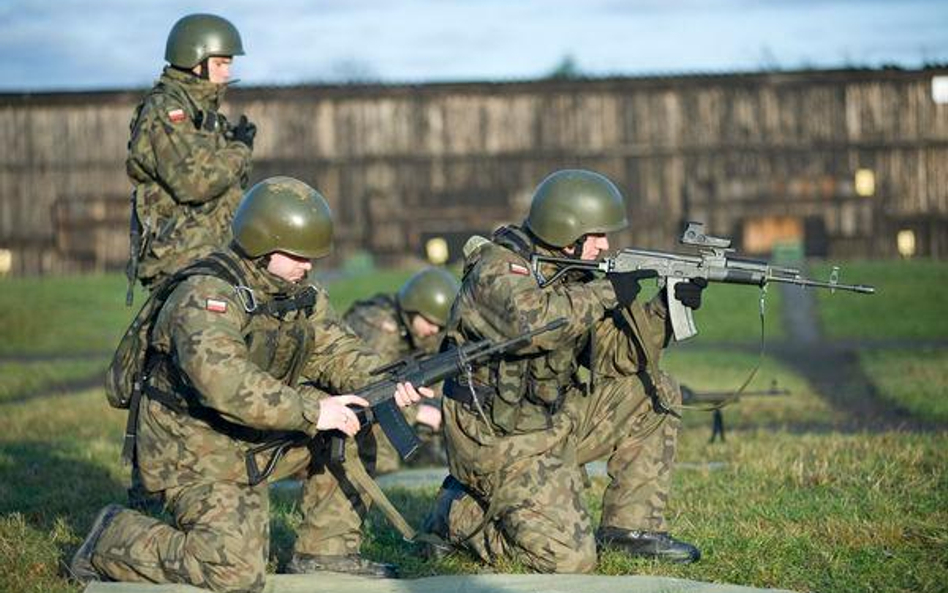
(593, 246)
(289, 267)
(423, 328)
(218, 69)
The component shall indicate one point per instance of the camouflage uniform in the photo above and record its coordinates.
(224, 380)
(520, 455)
(382, 324)
(188, 176)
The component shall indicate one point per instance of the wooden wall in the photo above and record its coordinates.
(403, 163)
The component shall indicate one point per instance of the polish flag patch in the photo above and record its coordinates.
(177, 116)
(216, 306)
(520, 270)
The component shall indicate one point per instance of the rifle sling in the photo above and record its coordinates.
(355, 471)
(649, 365)
(453, 389)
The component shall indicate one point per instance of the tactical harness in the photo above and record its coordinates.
(126, 386)
(135, 380)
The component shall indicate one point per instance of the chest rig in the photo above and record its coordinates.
(277, 333)
(522, 393)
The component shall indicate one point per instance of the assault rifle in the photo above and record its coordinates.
(420, 372)
(716, 400)
(713, 263)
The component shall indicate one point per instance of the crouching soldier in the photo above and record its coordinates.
(227, 355)
(410, 322)
(519, 431)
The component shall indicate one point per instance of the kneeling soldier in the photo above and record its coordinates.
(519, 431)
(410, 322)
(227, 354)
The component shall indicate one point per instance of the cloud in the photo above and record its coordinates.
(55, 44)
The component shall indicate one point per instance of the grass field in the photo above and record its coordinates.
(909, 303)
(789, 500)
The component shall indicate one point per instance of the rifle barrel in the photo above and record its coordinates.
(860, 288)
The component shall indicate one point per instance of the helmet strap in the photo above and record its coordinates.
(185, 70)
(205, 70)
(577, 248)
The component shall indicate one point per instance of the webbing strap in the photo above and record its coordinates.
(355, 471)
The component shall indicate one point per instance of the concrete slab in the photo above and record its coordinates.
(432, 477)
(490, 583)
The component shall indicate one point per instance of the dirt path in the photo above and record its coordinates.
(833, 368)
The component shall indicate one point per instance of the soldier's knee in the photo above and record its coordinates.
(237, 577)
(557, 558)
(227, 570)
(578, 558)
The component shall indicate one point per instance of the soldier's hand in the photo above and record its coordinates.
(689, 293)
(626, 284)
(406, 394)
(429, 416)
(334, 414)
(244, 131)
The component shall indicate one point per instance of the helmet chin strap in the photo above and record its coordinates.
(205, 70)
(577, 248)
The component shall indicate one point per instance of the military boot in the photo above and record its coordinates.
(81, 567)
(437, 522)
(353, 564)
(648, 544)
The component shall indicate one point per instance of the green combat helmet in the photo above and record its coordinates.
(196, 37)
(283, 214)
(430, 293)
(574, 202)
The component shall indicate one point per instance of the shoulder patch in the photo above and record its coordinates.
(216, 306)
(177, 116)
(519, 269)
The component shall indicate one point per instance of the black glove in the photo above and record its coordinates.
(689, 293)
(626, 284)
(244, 131)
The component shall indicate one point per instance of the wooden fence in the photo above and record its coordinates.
(840, 161)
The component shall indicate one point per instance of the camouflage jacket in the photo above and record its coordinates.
(188, 177)
(233, 377)
(383, 325)
(499, 299)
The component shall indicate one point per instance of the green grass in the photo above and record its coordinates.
(344, 291)
(64, 315)
(716, 371)
(915, 380)
(818, 511)
(25, 379)
(909, 301)
(731, 313)
(83, 314)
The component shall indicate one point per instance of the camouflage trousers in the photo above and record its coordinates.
(220, 537)
(535, 501)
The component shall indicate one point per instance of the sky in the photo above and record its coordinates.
(48, 45)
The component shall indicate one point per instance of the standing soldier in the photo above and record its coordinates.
(396, 326)
(228, 348)
(187, 163)
(519, 431)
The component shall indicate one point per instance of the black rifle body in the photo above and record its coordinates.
(420, 372)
